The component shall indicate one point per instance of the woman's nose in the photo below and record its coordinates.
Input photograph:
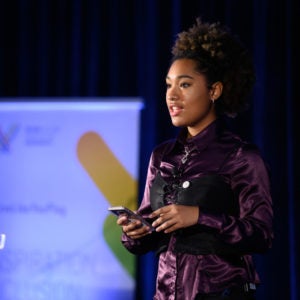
(172, 97)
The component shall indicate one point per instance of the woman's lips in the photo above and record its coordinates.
(175, 110)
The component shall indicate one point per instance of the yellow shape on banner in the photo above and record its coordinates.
(115, 183)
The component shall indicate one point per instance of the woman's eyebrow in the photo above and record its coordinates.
(182, 76)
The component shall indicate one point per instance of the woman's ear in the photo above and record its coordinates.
(216, 90)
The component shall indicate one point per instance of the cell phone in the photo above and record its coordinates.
(119, 210)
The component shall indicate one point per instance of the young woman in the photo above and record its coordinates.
(207, 192)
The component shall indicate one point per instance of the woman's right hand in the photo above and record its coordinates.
(133, 228)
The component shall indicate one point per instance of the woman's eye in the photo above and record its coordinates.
(168, 85)
(184, 85)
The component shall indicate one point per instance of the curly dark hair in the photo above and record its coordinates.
(220, 56)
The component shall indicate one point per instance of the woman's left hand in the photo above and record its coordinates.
(173, 217)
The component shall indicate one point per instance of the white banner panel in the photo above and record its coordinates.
(62, 164)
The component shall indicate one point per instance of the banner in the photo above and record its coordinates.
(62, 164)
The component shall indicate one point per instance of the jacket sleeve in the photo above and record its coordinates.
(251, 231)
(149, 242)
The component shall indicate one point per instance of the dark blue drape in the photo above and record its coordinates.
(122, 48)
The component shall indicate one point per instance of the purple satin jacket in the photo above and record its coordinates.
(215, 150)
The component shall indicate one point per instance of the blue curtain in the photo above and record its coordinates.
(95, 48)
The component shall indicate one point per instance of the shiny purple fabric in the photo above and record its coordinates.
(214, 150)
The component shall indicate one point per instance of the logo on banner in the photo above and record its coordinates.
(115, 183)
(6, 137)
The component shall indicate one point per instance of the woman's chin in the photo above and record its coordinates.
(177, 122)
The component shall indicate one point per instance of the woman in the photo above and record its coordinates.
(207, 192)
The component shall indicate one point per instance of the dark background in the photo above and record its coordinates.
(94, 48)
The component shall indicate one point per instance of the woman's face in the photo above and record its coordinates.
(188, 98)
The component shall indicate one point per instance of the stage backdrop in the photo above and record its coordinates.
(62, 164)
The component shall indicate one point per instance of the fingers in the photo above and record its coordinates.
(159, 212)
(167, 226)
(122, 220)
(133, 229)
(166, 223)
(136, 233)
(173, 217)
